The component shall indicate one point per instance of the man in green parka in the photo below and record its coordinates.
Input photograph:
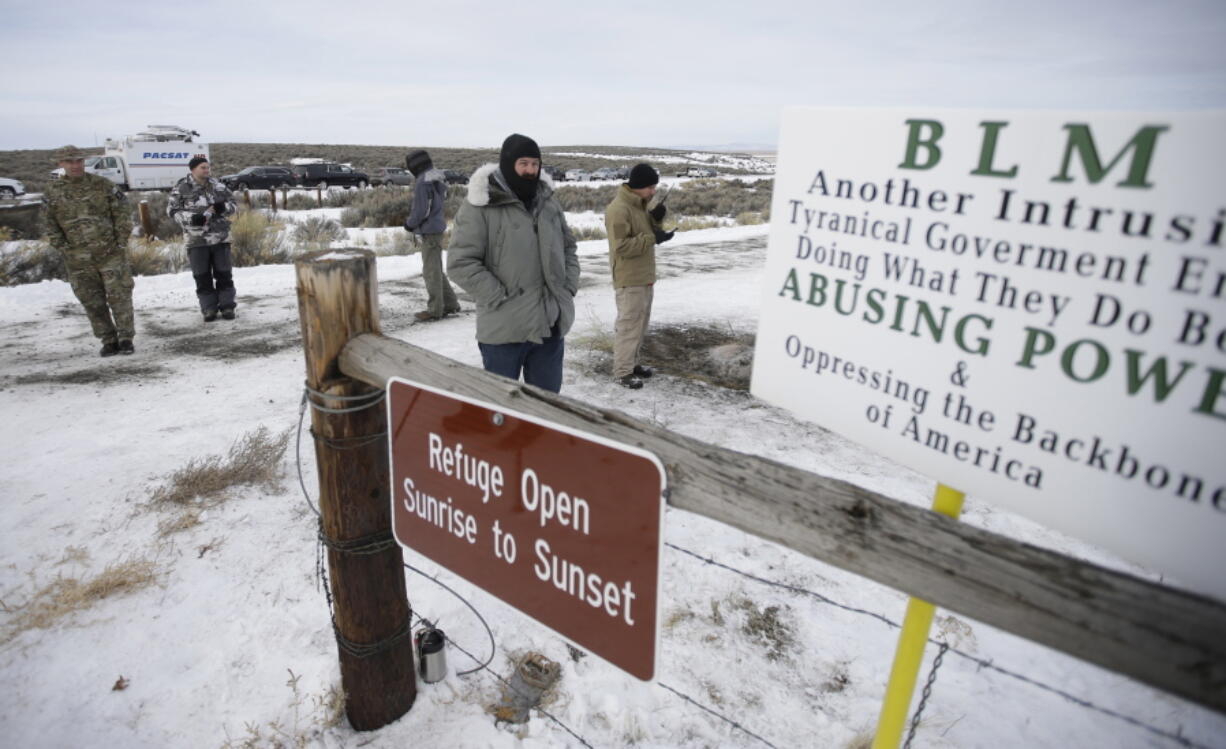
(633, 233)
(512, 251)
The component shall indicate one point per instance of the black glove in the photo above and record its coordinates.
(658, 212)
(663, 236)
(197, 219)
(219, 207)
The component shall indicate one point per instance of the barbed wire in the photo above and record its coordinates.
(724, 718)
(375, 398)
(980, 662)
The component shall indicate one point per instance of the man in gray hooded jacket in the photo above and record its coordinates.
(513, 252)
(427, 222)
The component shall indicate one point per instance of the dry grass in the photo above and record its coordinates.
(152, 257)
(399, 243)
(73, 555)
(763, 626)
(256, 239)
(327, 708)
(66, 595)
(583, 233)
(861, 741)
(317, 233)
(253, 459)
(693, 223)
(178, 522)
(30, 262)
(696, 352)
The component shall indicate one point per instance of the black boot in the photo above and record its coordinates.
(110, 348)
(125, 347)
(644, 372)
(210, 315)
(630, 381)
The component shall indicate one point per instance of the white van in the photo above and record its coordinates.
(151, 160)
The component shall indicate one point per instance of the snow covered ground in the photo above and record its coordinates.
(231, 643)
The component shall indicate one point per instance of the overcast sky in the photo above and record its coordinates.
(458, 73)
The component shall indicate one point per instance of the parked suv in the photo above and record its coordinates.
(455, 178)
(259, 178)
(329, 175)
(696, 171)
(577, 175)
(604, 173)
(10, 188)
(391, 175)
(558, 174)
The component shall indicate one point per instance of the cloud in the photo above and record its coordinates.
(466, 73)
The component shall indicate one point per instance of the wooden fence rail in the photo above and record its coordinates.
(1160, 636)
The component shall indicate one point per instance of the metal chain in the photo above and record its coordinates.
(919, 710)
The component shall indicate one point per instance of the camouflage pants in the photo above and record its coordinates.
(103, 284)
(441, 297)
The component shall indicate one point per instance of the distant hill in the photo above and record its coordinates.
(33, 166)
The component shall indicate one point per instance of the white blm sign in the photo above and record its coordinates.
(1027, 306)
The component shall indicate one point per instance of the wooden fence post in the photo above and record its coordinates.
(337, 299)
(1164, 637)
(146, 221)
(272, 198)
(319, 195)
(247, 198)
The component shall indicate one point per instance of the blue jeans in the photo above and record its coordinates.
(541, 363)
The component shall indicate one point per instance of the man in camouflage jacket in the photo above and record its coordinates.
(202, 206)
(89, 223)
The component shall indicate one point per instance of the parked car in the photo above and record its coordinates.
(259, 178)
(623, 172)
(558, 174)
(577, 175)
(696, 171)
(327, 175)
(604, 173)
(11, 188)
(455, 178)
(391, 175)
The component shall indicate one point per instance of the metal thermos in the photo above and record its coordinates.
(431, 654)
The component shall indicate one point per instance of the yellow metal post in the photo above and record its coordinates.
(911, 642)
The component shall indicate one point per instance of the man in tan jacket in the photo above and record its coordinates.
(633, 234)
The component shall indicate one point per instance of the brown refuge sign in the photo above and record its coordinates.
(565, 527)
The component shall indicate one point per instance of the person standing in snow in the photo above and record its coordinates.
(427, 222)
(202, 205)
(89, 223)
(513, 252)
(633, 234)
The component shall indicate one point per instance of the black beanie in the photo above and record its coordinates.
(642, 175)
(197, 161)
(516, 147)
(418, 162)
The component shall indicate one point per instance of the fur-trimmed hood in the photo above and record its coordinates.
(487, 186)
